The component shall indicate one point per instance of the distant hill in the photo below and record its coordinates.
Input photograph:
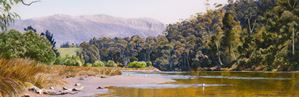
(82, 28)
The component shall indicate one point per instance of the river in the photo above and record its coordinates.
(213, 84)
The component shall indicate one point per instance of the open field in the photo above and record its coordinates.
(68, 51)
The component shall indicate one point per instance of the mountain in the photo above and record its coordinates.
(76, 29)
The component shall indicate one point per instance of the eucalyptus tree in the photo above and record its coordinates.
(231, 39)
(7, 16)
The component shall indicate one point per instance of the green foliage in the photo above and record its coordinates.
(98, 63)
(243, 35)
(88, 65)
(90, 53)
(136, 64)
(132, 59)
(231, 38)
(111, 63)
(149, 63)
(14, 44)
(69, 61)
(7, 16)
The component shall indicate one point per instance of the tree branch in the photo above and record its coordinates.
(28, 4)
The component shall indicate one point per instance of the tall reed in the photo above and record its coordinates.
(14, 73)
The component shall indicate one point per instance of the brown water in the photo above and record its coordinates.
(214, 84)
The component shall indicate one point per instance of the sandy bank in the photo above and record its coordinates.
(91, 84)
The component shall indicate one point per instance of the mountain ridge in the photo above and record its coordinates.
(77, 29)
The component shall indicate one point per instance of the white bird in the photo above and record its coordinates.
(203, 84)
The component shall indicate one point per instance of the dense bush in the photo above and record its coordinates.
(14, 44)
(136, 64)
(111, 63)
(88, 65)
(149, 63)
(69, 61)
(98, 63)
(132, 59)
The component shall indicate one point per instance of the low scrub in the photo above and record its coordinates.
(111, 63)
(69, 61)
(136, 64)
(17, 74)
(72, 71)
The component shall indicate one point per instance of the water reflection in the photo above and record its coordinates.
(160, 86)
(244, 78)
(235, 84)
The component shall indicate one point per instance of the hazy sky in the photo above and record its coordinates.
(167, 11)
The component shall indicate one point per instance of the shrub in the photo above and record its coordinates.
(98, 63)
(132, 59)
(69, 61)
(136, 64)
(88, 65)
(149, 63)
(111, 63)
(14, 44)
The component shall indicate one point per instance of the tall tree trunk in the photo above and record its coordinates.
(219, 57)
(293, 41)
(189, 66)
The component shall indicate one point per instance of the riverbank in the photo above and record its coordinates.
(88, 83)
(93, 85)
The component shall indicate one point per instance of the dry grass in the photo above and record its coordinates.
(10, 87)
(147, 69)
(17, 74)
(72, 71)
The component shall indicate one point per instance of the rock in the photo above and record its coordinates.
(103, 76)
(36, 90)
(65, 88)
(51, 88)
(78, 89)
(51, 92)
(64, 92)
(39, 91)
(77, 84)
(100, 87)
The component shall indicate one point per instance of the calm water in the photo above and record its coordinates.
(214, 84)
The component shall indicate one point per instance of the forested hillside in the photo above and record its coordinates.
(259, 35)
(76, 29)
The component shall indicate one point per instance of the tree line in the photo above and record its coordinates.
(259, 35)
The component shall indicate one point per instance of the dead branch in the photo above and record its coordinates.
(28, 4)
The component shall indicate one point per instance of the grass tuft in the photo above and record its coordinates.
(14, 73)
(18, 74)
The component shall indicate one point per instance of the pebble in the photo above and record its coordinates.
(103, 76)
(78, 89)
(77, 84)
(65, 88)
(51, 88)
(100, 87)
